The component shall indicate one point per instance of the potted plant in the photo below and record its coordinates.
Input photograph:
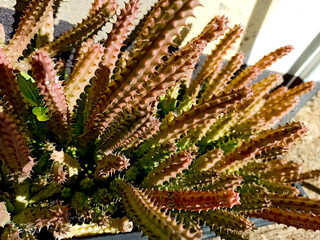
(127, 139)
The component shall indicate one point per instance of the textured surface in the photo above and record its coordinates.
(308, 153)
(140, 194)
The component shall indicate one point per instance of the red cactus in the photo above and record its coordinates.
(194, 200)
(13, 149)
(109, 165)
(295, 219)
(83, 71)
(212, 65)
(136, 72)
(281, 137)
(9, 86)
(27, 28)
(52, 91)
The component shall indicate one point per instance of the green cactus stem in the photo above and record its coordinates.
(168, 169)
(207, 160)
(45, 32)
(55, 217)
(113, 226)
(215, 84)
(144, 212)
(226, 219)
(199, 114)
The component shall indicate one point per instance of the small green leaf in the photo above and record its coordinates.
(41, 113)
(43, 118)
(29, 89)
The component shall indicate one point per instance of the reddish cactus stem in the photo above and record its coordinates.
(13, 148)
(83, 71)
(112, 46)
(52, 91)
(177, 67)
(283, 136)
(296, 219)
(194, 200)
(109, 165)
(202, 112)
(262, 88)
(87, 28)
(128, 80)
(213, 63)
(9, 86)
(250, 73)
(277, 105)
(28, 27)
(119, 33)
(181, 65)
(97, 4)
(293, 203)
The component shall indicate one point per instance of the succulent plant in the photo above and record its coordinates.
(130, 138)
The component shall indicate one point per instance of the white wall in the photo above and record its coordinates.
(293, 22)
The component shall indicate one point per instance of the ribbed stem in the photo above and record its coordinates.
(28, 27)
(52, 91)
(143, 212)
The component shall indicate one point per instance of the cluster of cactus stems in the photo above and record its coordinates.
(130, 138)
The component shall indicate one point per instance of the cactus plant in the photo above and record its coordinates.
(128, 138)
